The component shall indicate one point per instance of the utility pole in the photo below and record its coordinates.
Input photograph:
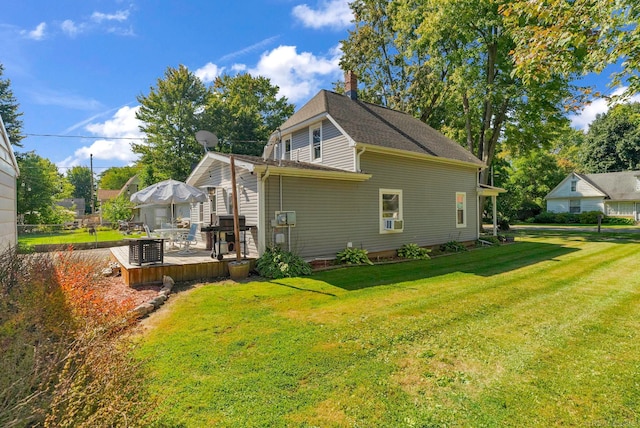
(93, 199)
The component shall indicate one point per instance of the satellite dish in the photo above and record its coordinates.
(271, 144)
(207, 139)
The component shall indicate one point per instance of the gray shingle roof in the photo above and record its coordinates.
(379, 126)
(617, 185)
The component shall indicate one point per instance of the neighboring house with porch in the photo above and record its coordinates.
(9, 173)
(341, 172)
(616, 194)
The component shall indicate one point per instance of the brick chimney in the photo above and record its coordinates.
(351, 85)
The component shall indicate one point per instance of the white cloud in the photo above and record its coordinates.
(70, 28)
(36, 34)
(330, 13)
(119, 132)
(299, 75)
(598, 106)
(120, 16)
(209, 72)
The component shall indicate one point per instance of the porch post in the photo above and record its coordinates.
(495, 215)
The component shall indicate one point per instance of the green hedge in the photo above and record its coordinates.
(588, 217)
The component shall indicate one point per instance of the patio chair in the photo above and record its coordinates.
(186, 240)
(149, 233)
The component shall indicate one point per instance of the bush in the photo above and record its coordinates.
(495, 240)
(413, 251)
(567, 218)
(277, 263)
(452, 247)
(590, 217)
(545, 217)
(63, 357)
(353, 256)
(618, 221)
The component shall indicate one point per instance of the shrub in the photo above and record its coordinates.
(277, 263)
(589, 217)
(63, 357)
(452, 247)
(503, 224)
(567, 218)
(545, 217)
(618, 221)
(413, 251)
(353, 256)
(495, 240)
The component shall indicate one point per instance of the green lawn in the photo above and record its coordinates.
(71, 237)
(544, 332)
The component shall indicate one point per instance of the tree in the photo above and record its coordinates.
(80, 178)
(39, 186)
(571, 38)
(9, 111)
(531, 177)
(246, 110)
(116, 177)
(613, 140)
(119, 208)
(171, 114)
(448, 63)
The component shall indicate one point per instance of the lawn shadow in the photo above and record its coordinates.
(483, 262)
(302, 289)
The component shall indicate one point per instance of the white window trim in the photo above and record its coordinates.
(311, 151)
(579, 206)
(464, 210)
(284, 147)
(573, 185)
(382, 229)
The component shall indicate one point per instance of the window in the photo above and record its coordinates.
(316, 142)
(574, 184)
(461, 209)
(229, 202)
(574, 206)
(201, 212)
(391, 220)
(287, 149)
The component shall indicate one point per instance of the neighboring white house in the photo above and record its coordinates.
(8, 197)
(615, 194)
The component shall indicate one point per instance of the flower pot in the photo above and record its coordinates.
(239, 270)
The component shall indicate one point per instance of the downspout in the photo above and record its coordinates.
(262, 221)
(478, 217)
(358, 154)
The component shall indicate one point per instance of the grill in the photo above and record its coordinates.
(226, 222)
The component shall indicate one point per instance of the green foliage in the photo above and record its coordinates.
(590, 217)
(448, 63)
(558, 39)
(277, 263)
(171, 114)
(613, 141)
(453, 247)
(413, 251)
(246, 111)
(353, 256)
(495, 240)
(80, 178)
(618, 221)
(119, 208)
(9, 111)
(38, 187)
(116, 177)
(241, 110)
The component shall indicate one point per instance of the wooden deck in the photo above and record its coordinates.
(196, 265)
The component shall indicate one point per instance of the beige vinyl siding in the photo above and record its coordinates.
(336, 151)
(331, 213)
(8, 219)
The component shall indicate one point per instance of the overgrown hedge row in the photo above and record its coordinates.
(588, 217)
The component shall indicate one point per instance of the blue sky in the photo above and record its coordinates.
(76, 67)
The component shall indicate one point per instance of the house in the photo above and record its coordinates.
(341, 172)
(615, 194)
(77, 205)
(9, 173)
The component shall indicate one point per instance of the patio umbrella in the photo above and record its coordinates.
(169, 192)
